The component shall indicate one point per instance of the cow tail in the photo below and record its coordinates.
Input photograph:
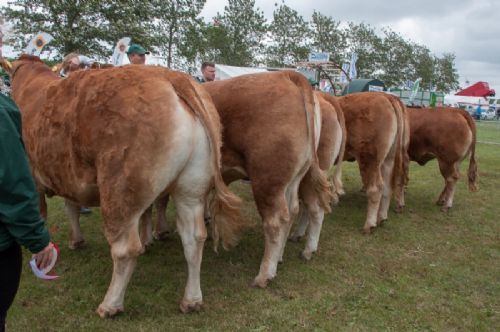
(224, 205)
(472, 172)
(402, 160)
(337, 173)
(324, 189)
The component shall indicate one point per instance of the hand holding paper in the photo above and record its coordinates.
(43, 262)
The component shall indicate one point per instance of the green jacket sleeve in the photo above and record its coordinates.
(19, 213)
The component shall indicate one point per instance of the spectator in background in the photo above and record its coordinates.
(207, 72)
(136, 54)
(20, 220)
(478, 112)
(73, 62)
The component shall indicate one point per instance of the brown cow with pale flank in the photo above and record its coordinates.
(119, 138)
(330, 151)
(271, 127)
(448, 134)
(378, 138)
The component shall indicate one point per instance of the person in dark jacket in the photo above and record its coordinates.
(20, 220)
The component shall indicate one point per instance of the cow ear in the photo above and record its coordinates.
(6, 65)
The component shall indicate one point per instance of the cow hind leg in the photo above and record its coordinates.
(276, 219)
(75, 235)
(312, 215)
(373, 184)
(385, 200)
(293, 208)
(193, 233)
(146, 225)
(451, 174)
(162, 231)
(302, 224)
(316, 215)
(125, 247)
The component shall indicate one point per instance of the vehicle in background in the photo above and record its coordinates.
(490, 114)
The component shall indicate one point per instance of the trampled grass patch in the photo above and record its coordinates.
(423, 270)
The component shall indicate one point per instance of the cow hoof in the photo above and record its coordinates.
(106, 312)
(381, 222)
(294, 238)
(260, 282)
(445, 209)
(308, 255)
(161, 236)
(73, 245)
(190, 306)
(368, 230)
(399, 209)
(440, 202)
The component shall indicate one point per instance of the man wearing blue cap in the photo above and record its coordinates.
(136, 54)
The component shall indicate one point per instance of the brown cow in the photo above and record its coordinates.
(377, 137)
(119, 138)
(448, 134)
(271, 127)
(330, 150)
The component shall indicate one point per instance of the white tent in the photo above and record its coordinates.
(465, 100)
(223, 72)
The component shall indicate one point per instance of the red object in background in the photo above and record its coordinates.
(479, 89)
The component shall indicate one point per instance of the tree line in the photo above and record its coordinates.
(239, 36)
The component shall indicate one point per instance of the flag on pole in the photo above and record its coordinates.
(36, 44)
(352, 69)
(119, 52)
(345, 69)
(414, 89)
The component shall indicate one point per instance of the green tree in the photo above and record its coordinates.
(327, 36)
(289, 37)
(89, 27)
(446, 76)
(363, 40)
(236, 37)
(174, 28)
(396, 62)
(422, 65)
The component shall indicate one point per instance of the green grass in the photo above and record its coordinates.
(424, 270)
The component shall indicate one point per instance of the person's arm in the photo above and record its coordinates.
(19, 212)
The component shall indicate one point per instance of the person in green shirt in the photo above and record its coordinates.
(20, 220)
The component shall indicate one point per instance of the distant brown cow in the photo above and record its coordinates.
(271, 128)
(448, 134)
(377, 138)
(119, 138)
(330, 150)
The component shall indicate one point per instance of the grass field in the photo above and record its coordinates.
(424, 270)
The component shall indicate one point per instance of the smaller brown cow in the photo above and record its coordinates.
(377, 138)
(448, 134)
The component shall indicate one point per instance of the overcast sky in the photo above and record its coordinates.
(468, 28)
